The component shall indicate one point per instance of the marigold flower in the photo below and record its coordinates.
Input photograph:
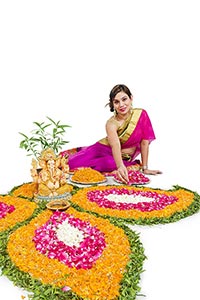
(19, 210)
(87, 175)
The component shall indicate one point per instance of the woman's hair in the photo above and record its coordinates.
(115, 90)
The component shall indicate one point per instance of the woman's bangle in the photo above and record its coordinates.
(144, 168)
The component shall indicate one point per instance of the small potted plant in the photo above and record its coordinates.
(49, 169)
(45, 135)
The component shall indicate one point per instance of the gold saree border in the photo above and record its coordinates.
(128, 127)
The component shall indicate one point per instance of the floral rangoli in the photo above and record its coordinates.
(139, 205)
(76, 253)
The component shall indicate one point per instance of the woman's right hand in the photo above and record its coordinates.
(122, 173)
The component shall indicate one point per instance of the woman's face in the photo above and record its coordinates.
(122, 103)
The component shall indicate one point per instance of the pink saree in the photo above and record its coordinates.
(99, 155)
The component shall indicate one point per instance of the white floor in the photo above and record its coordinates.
(172, 269)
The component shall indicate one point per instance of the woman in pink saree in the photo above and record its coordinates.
(129, 133)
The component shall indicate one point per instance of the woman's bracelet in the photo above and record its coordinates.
(144, 168)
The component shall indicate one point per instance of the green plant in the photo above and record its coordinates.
(44, 136)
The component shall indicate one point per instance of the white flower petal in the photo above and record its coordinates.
(69, 234)
(128, 198)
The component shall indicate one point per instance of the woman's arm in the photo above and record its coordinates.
(144, 157)
(113, 140)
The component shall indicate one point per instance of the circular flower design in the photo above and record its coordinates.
(70, 240)
(124, 199)
(134, 203)
(96, 263)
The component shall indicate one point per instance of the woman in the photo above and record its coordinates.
(129, 132)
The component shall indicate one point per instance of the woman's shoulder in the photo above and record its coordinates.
(112, 121)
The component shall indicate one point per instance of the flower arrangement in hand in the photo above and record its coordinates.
(135, 177)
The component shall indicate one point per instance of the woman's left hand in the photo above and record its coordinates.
(151, 172)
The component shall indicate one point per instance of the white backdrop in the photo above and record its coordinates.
(61, 59)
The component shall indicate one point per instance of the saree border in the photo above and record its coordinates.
(128, 127)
